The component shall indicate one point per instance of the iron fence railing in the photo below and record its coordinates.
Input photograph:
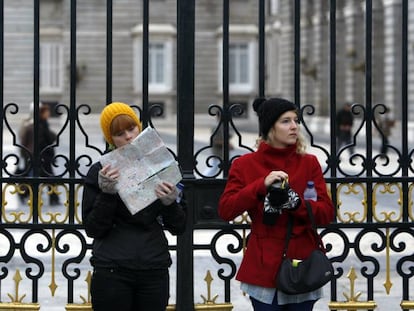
(45, 247)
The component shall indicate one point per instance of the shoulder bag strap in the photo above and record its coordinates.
(290, 227)
(309, 208)
(288, 234)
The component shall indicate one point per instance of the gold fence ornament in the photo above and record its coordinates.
(208, 303)
(352, 303)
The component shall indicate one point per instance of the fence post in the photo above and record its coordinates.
(185, 149)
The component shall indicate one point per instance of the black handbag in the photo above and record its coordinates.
(298, 277)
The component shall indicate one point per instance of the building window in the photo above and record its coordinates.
(160, 58)
(51, 67)
(274, 7)
(242, 59)
(157, 75)
(159, 67)
(239, 64)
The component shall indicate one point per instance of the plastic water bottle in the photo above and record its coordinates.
(310, 191)
(180, 188)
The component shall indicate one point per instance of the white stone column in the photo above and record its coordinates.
(392, 54)
(306, 53)
(354, 52)
(377, 53)
(286, 56)
(341, 58)
(320, 63)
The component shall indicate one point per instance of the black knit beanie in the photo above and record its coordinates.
(269, 110)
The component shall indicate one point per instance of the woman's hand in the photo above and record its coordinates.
(108, 179)
(166, 192)
(275, 176)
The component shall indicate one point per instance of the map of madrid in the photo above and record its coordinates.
(142, 165)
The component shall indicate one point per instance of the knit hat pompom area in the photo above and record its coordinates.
(110, 112)
(269, 110)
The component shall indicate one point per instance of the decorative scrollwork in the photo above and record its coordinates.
(230, 247)
(351, 214)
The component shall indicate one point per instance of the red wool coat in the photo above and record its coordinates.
(245, 191)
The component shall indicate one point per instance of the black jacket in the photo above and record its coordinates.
(124, 240)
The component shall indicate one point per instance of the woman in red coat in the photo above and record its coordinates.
(280, 156)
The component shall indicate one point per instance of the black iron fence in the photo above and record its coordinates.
(44, 250)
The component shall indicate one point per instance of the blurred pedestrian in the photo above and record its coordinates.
(45, 138)
(344, 123)
(217, 148)
(386, 123)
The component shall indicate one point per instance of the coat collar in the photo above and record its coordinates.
(266, 149)
(277, 158)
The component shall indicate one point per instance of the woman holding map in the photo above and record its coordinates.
(130, 253)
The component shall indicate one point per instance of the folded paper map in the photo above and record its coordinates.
(142, 164)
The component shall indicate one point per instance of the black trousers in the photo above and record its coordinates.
(300, 306)
(118, 289)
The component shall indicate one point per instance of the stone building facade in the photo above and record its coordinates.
(126, 51)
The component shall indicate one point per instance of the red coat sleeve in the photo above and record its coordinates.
(240, 196)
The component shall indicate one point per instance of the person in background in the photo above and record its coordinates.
(130, 254)
(217, 140)
(280, 157)
(344, 123)
(386, 123)
(45, 139)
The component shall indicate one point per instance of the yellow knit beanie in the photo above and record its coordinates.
(113, 110)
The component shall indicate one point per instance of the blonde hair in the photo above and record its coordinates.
(301, 143)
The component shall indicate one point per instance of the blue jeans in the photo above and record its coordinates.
(118, 289)
(302, 306)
